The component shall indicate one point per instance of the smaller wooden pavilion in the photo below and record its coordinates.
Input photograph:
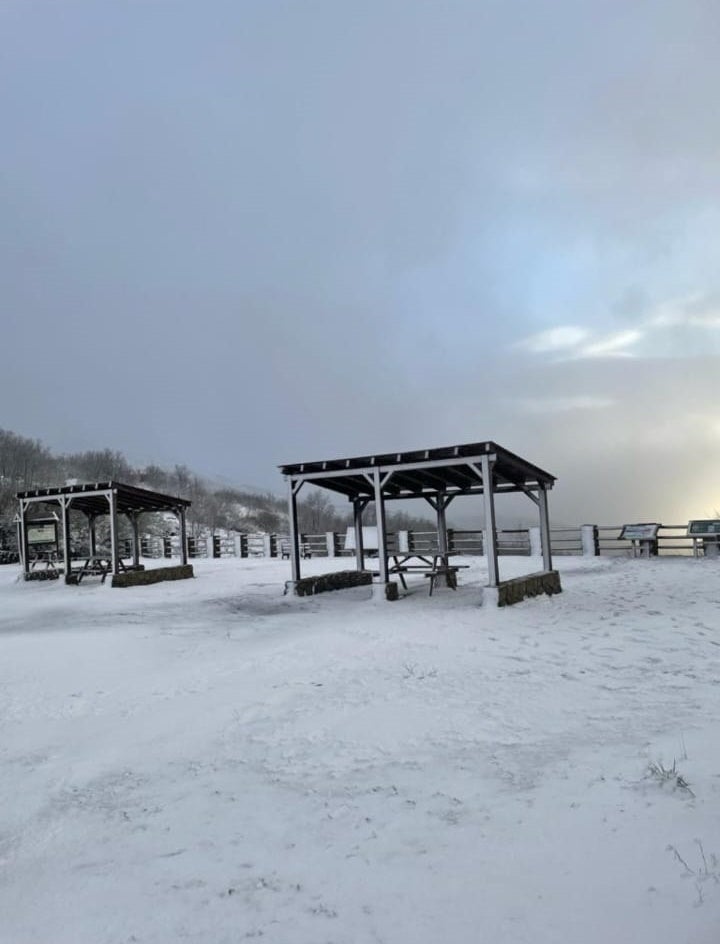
(439, 476)
(94, 500)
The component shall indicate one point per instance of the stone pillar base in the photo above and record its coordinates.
(520, 588)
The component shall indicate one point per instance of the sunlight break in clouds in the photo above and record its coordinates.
(554, 339)
(569, 339)
(695, 311)
(613, 345)
(563, 404)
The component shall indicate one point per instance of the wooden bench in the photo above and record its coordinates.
(447, 571)
(402, 569)
(285, 550)
(52, 568)
(431, 566)
(97, 565)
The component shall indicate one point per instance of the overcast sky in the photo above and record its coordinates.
(236, 234)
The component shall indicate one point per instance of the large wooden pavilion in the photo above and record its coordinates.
(436, 475)
(93, 500)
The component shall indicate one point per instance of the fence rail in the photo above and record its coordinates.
(672, 539)
(587, 540)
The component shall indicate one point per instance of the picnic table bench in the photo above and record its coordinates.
(97, 565)
(51, 569)
(430, 566)
(305, 550)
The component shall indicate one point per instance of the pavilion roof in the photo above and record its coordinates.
(447, 469)
(92, 497)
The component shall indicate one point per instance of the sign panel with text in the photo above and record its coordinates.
(709, 527)
(42, 531)
(646, 531)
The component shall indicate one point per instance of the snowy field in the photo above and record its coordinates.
(210, 761)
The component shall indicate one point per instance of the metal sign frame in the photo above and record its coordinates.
(42, 531)
(640, 531)
(704, 528)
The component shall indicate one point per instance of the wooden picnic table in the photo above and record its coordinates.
(98, 565)
(305, 550)
(50, 560)
(429, 565)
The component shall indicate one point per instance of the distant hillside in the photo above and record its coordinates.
(27, 464)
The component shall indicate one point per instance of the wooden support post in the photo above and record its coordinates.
(293, 489)
(92, 537)
(18, 537)
(23, 546)
(183, 535)
(67, 549)
(378, 484)
(590, 540)
(441, 528)
(491, 551)
(358, 507)
(442, 502)
(115, 558)
(135, 525)
(545, 528)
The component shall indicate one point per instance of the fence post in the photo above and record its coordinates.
(267, 545)
(403, 539)
(330, 542)
(590, 540)
(535, 542)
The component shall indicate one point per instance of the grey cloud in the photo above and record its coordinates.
(271, 231)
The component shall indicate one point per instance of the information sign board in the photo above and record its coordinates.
(704, 528)
(646, 531)
(42, 531)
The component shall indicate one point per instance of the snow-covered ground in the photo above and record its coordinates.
(211, 761)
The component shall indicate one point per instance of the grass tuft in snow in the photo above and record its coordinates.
(668, 775)
(703, 873)
(413, 670)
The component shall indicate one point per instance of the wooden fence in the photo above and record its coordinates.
(587, 540)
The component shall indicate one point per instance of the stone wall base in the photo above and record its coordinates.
(385, 591)
(342, 580)
(140, 578)
(513, 591)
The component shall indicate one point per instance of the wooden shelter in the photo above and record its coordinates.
(437, 475)
(93, 500)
